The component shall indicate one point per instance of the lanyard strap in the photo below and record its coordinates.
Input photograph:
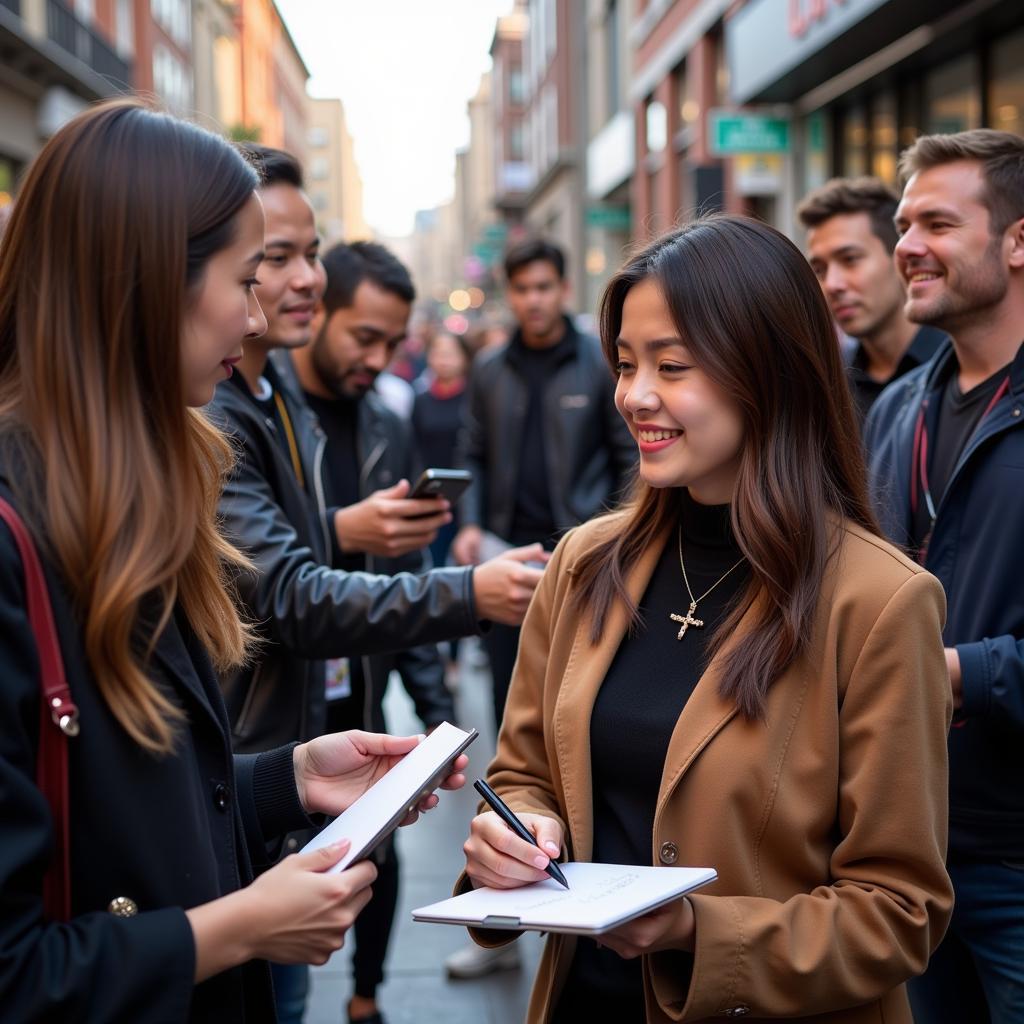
(919, 459)
(289, 433)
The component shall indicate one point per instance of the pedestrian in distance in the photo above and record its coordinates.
(144, 234)
(437, 416)
(850, 241)
(945, 454)
(730, 672)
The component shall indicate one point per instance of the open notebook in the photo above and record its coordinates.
(600, 897)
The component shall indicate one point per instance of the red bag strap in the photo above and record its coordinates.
(58, 717)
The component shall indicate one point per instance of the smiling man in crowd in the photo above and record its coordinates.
(850, 241)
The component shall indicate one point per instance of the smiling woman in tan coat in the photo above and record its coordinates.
(732, 671)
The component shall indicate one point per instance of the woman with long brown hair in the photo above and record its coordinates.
(732, 671)
(126, 276)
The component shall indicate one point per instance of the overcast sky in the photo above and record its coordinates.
(404, 70)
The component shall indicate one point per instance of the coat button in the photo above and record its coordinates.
(669, 853)
(737, 1011)
(123, 906)
(221, 796)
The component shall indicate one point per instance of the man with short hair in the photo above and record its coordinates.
(358, 324)
(547, 449)
(850, 240)
(946, 451)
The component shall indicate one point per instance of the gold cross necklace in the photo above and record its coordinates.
(688, 620)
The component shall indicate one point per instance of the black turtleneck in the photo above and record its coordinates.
(646, 688)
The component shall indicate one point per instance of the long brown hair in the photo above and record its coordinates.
(106, 246)
(750, 312)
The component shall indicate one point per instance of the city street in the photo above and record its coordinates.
(416, 988)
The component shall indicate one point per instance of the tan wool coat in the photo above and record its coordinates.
(826, 820)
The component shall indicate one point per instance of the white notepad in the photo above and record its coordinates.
(376, 814)
(600, 897)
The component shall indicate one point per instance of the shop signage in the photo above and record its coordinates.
(768, 38)
(611, 218)
(731, 133)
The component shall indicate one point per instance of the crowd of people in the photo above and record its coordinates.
(744, 568)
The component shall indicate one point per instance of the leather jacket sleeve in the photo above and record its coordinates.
(319, 612)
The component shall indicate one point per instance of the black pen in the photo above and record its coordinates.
(502, 810)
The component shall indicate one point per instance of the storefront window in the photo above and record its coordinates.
(883, 138)
(855, 143)
(815, 152)
(952, 99)
(1006, 90)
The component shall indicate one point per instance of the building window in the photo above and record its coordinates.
(952, 97)
(1006, 90)
(320, 202)
(613, 60)
(175, 18)
(86, 11)
(317, 137)
(319, 169)
(657, 126)
(171, 79)
(516, 87)
(516, 142)
(124, 28)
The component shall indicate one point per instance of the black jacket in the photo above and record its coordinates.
(167, 832)
(977, 552)
(589, 454)
(386, 453)
(306, 610)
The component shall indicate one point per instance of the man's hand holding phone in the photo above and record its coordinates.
(389, 523)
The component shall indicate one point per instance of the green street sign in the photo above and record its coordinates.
(611, 218)
(732, 133)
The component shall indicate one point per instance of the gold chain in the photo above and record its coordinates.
(682, 565)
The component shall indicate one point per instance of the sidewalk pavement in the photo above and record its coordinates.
(416, 987)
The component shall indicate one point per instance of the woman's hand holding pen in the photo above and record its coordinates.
(670, 927)
(498, 858)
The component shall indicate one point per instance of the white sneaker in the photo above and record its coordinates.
(475, 961)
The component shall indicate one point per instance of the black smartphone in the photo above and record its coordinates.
(442, 483)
